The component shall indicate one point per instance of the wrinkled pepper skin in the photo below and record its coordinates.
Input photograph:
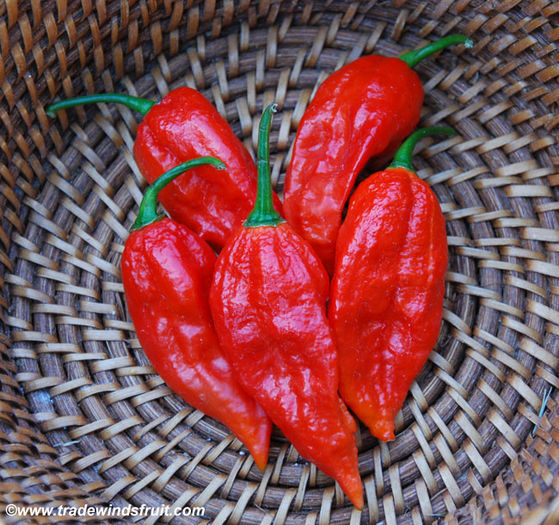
(166, 274)
(268, 301)
(387, 293)
(185, 125)
(362, 111)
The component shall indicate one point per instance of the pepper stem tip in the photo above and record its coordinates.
(264, 213)
(141, 105)
(402, 159)
(412, 58)
(148, 207)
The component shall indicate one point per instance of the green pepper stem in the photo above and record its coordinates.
(402, 159)
(412, 58)
(148, 207)
(264, 213)
(141, 105)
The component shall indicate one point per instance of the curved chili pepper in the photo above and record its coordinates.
(268, 303)
(166, 274)
(182, 126)
(387, 291)
(363, 110)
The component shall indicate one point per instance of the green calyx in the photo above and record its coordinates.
(264, 213)
(148, 207)
(402, 159)
(412, 58)
(141, 105)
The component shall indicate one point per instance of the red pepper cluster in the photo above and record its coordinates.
(246, 336)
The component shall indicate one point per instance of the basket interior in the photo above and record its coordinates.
(83, 415)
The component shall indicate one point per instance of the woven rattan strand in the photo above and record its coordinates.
(84, 419)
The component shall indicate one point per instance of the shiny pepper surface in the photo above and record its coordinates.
(363, 110)
(185, 125)
(182, 126)
(268, 304)
(166, 273)
(387, 290)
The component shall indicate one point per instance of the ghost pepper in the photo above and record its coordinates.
(182, 126)
(387, 291)
(166, 274)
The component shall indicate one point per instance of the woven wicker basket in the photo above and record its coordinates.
(84, 419)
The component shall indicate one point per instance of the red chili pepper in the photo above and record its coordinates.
(182, 126)
(363, 110)
(166, 273)
(268, 302)
(387, 290)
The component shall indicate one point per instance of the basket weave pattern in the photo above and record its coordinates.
(84, 418)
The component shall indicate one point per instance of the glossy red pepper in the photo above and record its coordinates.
(182, 126)
(363, 110)
(268, 302)
(387, 291)
(166, 273)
